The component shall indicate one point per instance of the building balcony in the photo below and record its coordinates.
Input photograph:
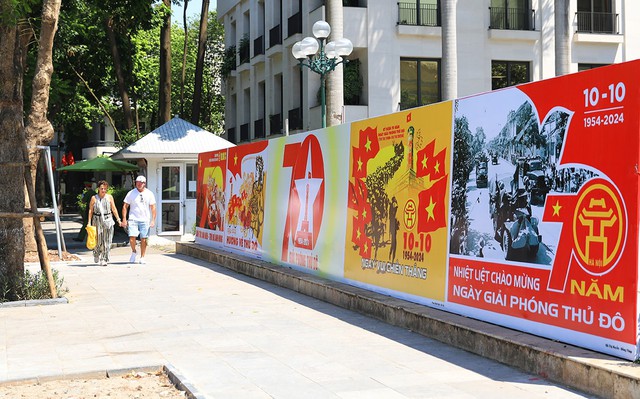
(244, 132)
(424, 15)
(258, 129)
(275, 35)
(597, 22)
(258, 46)
(511, 18)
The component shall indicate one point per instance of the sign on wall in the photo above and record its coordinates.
(515, 207)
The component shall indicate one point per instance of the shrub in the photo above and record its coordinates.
(30, 286)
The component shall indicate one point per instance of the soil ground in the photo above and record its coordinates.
(135, 385)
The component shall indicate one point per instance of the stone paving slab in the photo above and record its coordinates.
(588, 371)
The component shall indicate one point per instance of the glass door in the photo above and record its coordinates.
(171, 199)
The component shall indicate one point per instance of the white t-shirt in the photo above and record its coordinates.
(140, 204)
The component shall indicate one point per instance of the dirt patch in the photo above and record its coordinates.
(129, 386)
(32, 256)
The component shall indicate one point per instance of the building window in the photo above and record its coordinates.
(419, 82)
(509, 73)
(596, 16)
(586, 67)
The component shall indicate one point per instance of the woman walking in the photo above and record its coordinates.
(102, 210)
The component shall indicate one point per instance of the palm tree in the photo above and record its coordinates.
(449, 51)
(335, 99)
(561, 11)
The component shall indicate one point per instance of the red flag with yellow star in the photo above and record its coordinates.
(424, 155)
(432, 207)
(435, 165)
(368, 143)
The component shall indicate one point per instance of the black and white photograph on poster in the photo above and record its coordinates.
(505, 163)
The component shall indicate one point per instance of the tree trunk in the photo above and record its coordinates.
(122, 87)
(449, 50)
(202, 43)
(38, 130)
(335, 84)
(12, 162)
(165, 68)
(562, 35)
(184, 56)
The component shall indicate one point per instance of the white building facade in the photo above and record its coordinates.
(398, 48)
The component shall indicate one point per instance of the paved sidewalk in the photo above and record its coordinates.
(232, 336)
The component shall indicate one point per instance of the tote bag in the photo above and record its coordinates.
(92, 237)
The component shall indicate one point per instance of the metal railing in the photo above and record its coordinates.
(425, 15)
(294, 24)
(512, 18)
(244, 132)
(275, 123)
(597, 22)
(295, 119)
(258, 46)
(275, 36)
(258, 129)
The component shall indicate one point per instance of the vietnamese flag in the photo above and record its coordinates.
(368, 143)
(435, 165)
(424, 155)
(432, 207)
(359, 167)
(236, 155)
(365, 248)
(357, 235)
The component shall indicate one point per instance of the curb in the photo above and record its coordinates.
(33, 302)
(578, 368)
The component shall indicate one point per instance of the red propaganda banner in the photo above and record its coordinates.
(210, 198)
(399, 202)
(245, 196)
(547, 216)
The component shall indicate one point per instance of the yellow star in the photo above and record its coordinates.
(556, 209)
(424, 162)
(359, 164)
(368, 144)
(437, 167)
(235, 159)
(429, 209)
(364, 214)
(358, 234)
(366, 248)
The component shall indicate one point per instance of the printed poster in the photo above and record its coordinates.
(210, 202)
(245, 194)
(399, 201)
(544, 233)
(309, 204)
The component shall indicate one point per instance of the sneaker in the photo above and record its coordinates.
(132, 258)
(103, 263)
(142, 261)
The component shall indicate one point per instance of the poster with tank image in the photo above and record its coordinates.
(543, 244)
(505, 164)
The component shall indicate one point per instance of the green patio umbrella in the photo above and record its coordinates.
(99, 164)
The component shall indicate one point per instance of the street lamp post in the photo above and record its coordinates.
(323, 61)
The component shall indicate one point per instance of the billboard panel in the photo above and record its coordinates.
(518, 207)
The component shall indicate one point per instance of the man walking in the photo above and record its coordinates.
(141, 204)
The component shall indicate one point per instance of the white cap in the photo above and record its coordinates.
(141, 178)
